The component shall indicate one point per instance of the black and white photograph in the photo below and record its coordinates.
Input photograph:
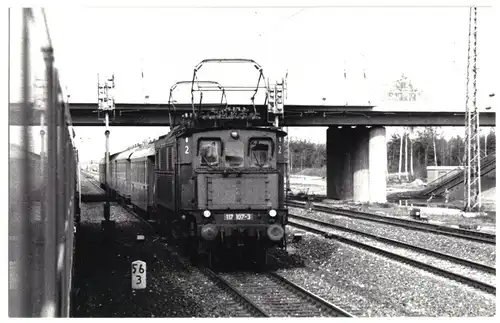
(249, 159)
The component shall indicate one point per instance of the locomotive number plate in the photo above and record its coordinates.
(237, 216)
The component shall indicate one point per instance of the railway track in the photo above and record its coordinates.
(271, 295)
(267, 294)
(433, 253)
(471, 235)
(472, 282)
(247, 307)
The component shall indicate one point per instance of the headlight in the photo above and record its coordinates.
(234, 134)
(272, 213)
(207, 213)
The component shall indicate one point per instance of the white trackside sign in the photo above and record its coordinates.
(138, 274)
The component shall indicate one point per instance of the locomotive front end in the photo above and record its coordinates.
(239, 188)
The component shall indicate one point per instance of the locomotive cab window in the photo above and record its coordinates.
(261, 152)
(209, 152)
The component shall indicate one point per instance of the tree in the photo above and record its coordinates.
(411, 136)
(487, 142)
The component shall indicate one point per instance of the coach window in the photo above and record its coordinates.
(209, 152)
(261, 152)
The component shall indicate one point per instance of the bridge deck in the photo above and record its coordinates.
(131, 114)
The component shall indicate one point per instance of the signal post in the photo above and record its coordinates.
(106, 107)
(275, 105)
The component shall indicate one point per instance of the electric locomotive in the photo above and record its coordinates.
(219, 174)
(222, 187)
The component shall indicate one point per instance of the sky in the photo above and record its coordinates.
(313, 45)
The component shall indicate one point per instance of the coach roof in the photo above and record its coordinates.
(145, 151)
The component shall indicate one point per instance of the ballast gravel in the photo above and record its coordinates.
(475, 251)
(103, 274)
(424, 258)
(366, 284)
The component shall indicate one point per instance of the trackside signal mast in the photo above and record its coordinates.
(472, 174)
(276, 105)
(276, 101)
(106, 106)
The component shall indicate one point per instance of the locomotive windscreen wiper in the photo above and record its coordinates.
(204, 158)
(257, 160)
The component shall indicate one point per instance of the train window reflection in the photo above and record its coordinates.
(234, 153)
(260, 152)
(209, 152)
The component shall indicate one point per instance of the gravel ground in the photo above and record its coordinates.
(103, 282)
(366, 284)
(471, 250)
(427, 259)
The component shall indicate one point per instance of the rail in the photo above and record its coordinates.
(433, 253)
(411, 224)
(430, 268)
(266, 291)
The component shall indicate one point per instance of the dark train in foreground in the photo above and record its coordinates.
(215, 182)
(44, 181)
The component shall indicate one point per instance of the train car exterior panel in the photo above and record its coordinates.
(282, 169)
(150, 176)
(164, 190)
(165, 173)
(186, 187)
(112, 174)
(138, 183)
(249, 191)
(121, 177)
(141, 161)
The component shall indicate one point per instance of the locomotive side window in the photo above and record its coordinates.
(163, 158)
(261, 152)
(209, 152)
(234, 154)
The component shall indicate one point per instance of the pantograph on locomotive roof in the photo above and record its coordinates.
(219, 112)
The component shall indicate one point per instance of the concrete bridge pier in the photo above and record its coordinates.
(356, 164)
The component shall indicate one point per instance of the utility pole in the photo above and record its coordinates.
(106, 104)
(472, 174)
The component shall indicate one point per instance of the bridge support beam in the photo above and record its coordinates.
(338, 165)
(378, 165)
(356, 164)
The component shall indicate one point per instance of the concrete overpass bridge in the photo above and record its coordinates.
(144, 114)
(356, 144)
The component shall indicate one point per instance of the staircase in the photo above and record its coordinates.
(448, 181)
